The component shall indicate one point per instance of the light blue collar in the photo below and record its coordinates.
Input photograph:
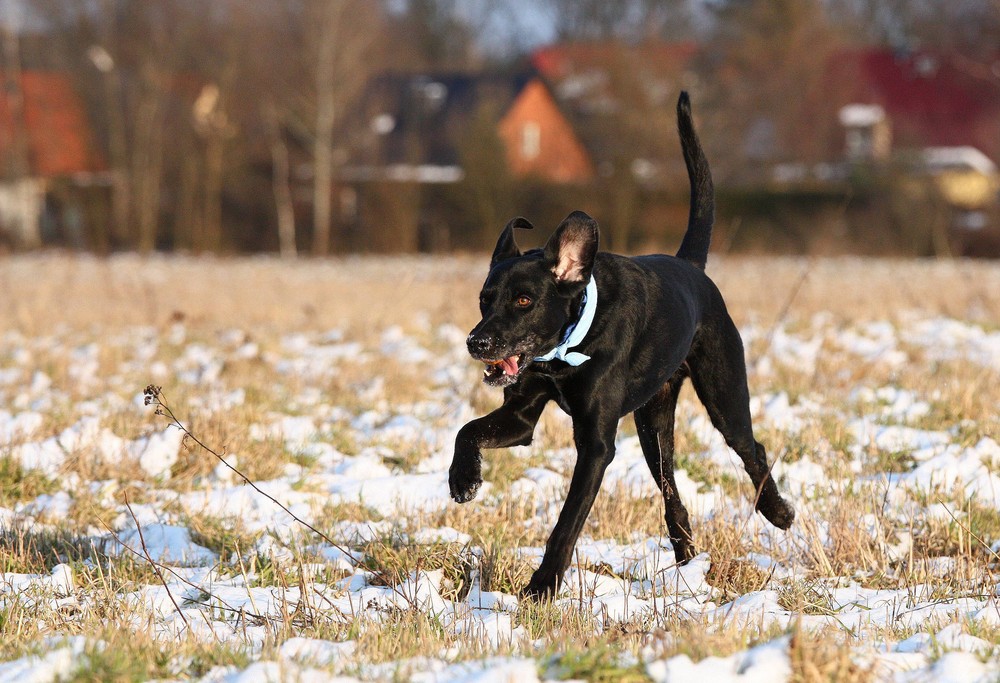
(577, 331)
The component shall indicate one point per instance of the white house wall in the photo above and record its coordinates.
(21, 206)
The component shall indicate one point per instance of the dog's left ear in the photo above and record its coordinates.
(572, 248)
(506, 245)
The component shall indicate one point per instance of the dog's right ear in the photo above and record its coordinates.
(506, 246)
(572, 248)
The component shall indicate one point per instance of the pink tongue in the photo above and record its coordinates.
(509, 365)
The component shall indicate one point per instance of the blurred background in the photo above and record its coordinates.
(359, 126)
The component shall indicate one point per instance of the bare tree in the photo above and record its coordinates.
(437, 34)
(147, 156)
(967, 27)
(328, 21)
(215, 128)
(340, 50)
(117, 145)
(765, 73)
(299, 65)
(486, 190)
(280, 183)
(629, 20)
(127, 56)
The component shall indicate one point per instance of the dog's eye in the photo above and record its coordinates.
(522, 301)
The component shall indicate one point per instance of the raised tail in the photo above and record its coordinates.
(694, 246)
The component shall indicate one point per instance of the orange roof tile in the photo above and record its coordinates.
(59, 138)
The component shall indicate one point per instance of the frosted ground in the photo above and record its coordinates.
(129, 551)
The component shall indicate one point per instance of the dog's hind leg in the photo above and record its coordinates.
(654, 422)
(718, 373)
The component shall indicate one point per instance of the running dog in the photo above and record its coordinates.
(605, 335)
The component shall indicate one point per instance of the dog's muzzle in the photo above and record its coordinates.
(479, 347)
(502, 367)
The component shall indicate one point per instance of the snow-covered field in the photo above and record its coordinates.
(128, 551)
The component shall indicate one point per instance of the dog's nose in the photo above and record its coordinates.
(479, 346)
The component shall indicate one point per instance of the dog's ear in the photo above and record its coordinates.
(506, 246)
(572, 248)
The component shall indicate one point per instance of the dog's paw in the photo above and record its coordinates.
(683, 551)
(777, 512)
(464, 483)
(541, 587)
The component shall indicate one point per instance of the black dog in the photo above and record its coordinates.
(600, 352)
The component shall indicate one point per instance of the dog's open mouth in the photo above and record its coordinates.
(503, 371)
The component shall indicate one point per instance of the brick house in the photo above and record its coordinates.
(430, 161)
(51, 174)
(621, 99)
(412, 127)
(540, 140)
(930, 99)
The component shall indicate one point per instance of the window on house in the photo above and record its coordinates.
(531, 140)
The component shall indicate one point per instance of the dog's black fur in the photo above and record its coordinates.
(659, 320)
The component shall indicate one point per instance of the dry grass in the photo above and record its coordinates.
(45, 292)
(817, 658)
(79, 301)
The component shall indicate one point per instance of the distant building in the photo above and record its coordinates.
(868, 134)
(598, 119)
(49, 165)
(621, 99)
(939, 114)
(540, 140)
(414, 128)
(928, 99)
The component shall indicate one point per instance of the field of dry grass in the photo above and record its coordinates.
(338, 385)
(42, 292)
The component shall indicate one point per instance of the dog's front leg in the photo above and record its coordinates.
(595, 445)
(512, 424)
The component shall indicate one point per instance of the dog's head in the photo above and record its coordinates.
(529, 299)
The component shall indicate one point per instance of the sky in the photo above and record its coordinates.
(15, 13)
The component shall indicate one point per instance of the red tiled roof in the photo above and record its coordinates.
(59, 138)
(558, 61)
(931, 99)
